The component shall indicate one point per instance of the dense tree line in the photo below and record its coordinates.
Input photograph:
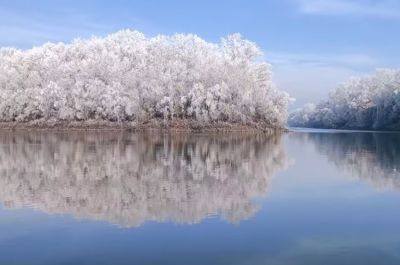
(129, 77)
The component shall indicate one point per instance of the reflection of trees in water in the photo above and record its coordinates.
(374, 157)
(128, 179)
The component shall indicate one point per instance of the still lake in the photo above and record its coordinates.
(304, 197)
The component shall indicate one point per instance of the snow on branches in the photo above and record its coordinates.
(129, 77)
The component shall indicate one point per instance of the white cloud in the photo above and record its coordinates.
(370, 8)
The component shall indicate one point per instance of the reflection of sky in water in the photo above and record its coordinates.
(323, 209)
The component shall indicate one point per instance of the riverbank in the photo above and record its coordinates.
(179, 125)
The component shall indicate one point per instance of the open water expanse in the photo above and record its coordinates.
(304, 197)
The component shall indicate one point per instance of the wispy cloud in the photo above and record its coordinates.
(20, 31)
(352, 61)
(26, 30)
(368, 8)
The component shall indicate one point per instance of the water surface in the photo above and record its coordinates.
(306, 197)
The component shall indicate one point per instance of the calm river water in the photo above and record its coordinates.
(305, 197)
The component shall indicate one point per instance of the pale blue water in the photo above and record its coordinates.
(306, 197)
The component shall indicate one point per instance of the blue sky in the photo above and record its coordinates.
(312, 44)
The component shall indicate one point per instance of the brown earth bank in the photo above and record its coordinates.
(154, 124)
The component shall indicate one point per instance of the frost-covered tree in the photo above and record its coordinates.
(129, 77)
(371, 102)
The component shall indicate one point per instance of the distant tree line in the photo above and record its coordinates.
(371, 102)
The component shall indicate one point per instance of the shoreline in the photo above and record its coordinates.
(178, 125)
